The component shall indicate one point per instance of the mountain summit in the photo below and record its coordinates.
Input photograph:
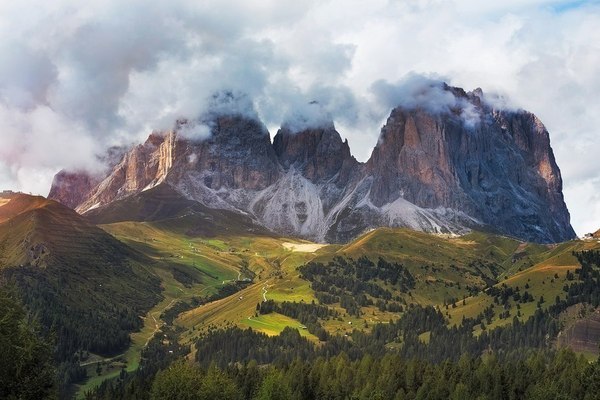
(438, 169)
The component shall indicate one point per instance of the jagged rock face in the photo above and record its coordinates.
(499, 170)
(412, 161)
(319, 154)
(237, 155)
(320, 174)
(144, 166)
(468, 166)
(228, 168)
(530, 183)
(72, 188)
(288, 187)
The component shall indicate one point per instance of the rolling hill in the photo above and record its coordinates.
(87, 289)
(450, 273)
(447, 271)
(408, 292)
(163, 203)
(191, 270)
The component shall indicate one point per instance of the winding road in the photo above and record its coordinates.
(264, 294)
(158, 323)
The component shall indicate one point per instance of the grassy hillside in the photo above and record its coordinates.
(217, 260)
(163, 203)
(13, 204)
(216, 270)
(87, 288)
(451, 273)
(545, 279)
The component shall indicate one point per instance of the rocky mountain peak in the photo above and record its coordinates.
(237, 154)
(412, 161)
(446, 161)
(319, 153)
(495, 165)
(72, 188)
(143, 166)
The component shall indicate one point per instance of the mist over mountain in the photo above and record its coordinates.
(446, 161)
(261, 199)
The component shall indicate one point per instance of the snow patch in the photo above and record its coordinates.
(150, 186)
(92, 207)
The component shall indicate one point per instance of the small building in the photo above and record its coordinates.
(588, 236)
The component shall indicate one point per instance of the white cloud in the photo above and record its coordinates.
(34, 142)
(75, 78)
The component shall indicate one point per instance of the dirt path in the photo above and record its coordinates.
(157, 323)
(239, 278)
(264, 288)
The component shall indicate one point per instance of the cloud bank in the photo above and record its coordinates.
(75, 79)
(417, 91)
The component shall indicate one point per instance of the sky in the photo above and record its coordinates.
(77, 77)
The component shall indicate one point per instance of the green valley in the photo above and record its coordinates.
(201, 281)
(451, 273)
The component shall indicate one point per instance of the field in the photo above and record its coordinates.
(449, 273)
(195, 267)
(544, 279)
(272, 324)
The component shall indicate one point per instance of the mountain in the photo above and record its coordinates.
(85, 286)
(319, 154)
(163, 203)
(500, 171)
(451, 169)
(391, 293)
(378, 277)
(72, 188)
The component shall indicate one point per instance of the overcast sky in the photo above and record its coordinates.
(76, 77)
